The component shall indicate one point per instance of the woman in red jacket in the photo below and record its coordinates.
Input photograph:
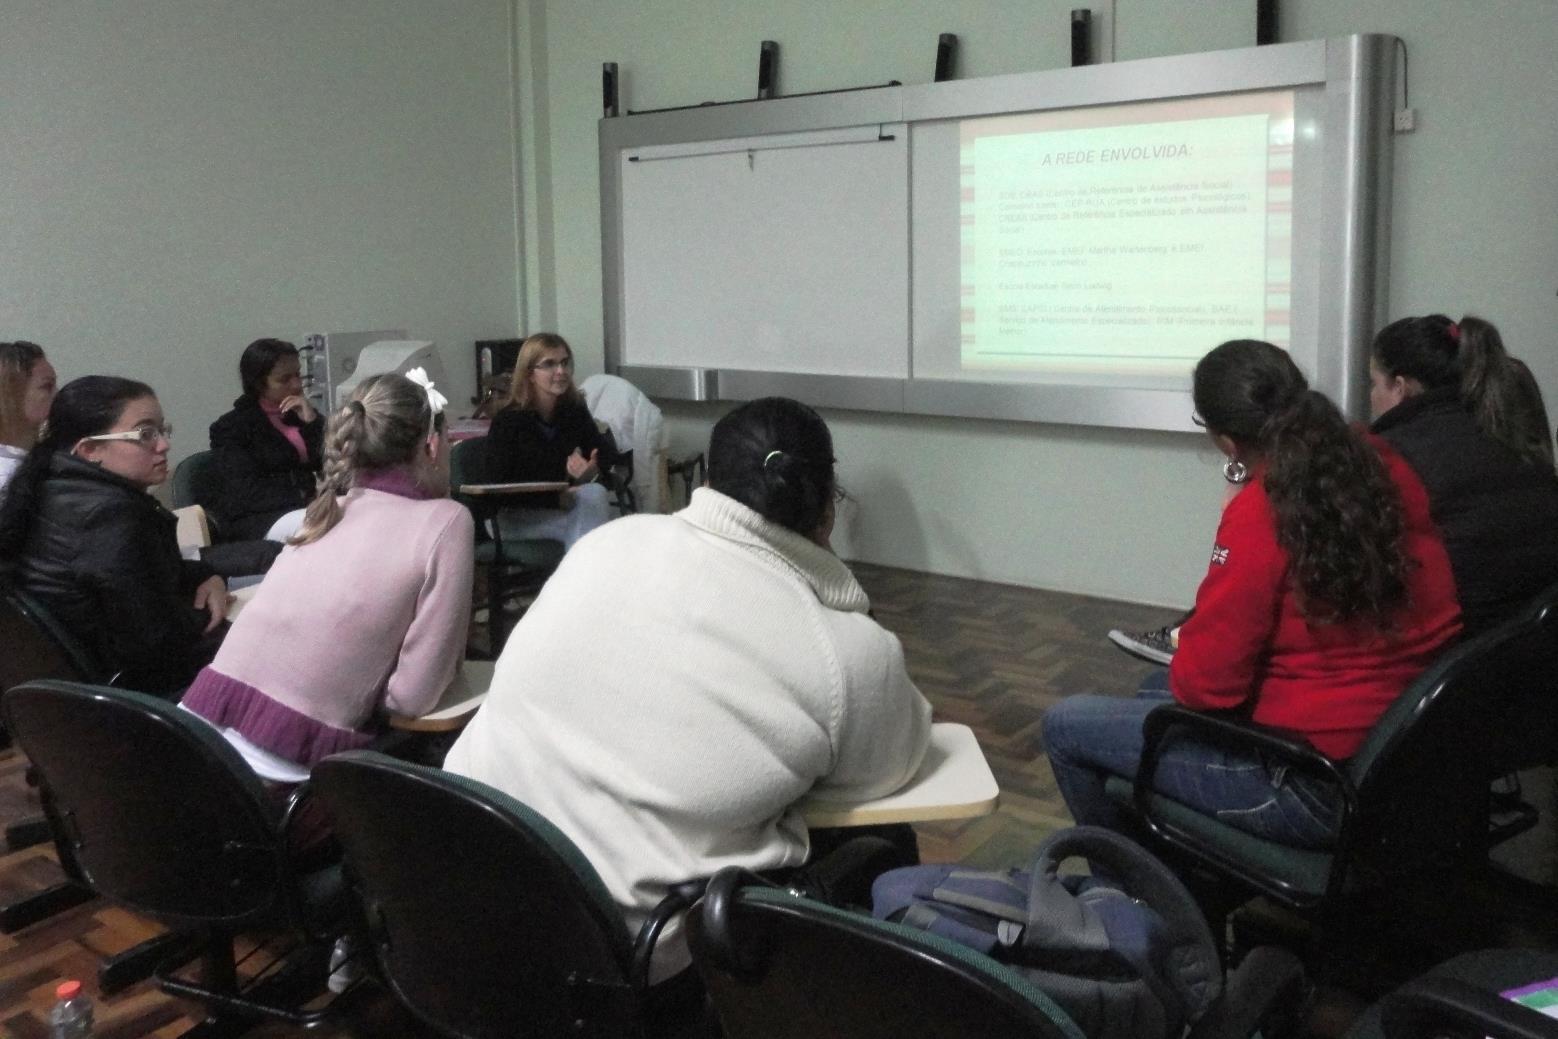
(1328, 592)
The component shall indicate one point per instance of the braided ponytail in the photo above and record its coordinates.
(381, 427)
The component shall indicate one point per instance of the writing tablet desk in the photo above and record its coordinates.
(495, 490)
(458, 703)
(953, 782)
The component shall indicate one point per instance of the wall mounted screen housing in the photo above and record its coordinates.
(1055, 246)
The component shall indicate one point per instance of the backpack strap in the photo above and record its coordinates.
(1057, 918)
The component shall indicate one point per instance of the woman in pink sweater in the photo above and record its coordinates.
(366, 610)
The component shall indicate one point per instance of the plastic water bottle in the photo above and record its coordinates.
(71, 1017)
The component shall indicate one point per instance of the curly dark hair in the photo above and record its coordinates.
(1338, 513)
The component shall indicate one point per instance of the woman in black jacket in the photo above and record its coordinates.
(269, 448)
(546, 434)
(1470, 420)
(80, 533)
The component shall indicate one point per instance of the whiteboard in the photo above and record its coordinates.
(780, 253)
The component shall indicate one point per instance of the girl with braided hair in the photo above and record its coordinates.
(366, 609)
(1471, 422)
(1328, 592)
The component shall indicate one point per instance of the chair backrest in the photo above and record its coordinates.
(779, 966)
(468, 462)
(36, 646)
(1422, 775)
(161, 814)
(486, 919)
(197, 481)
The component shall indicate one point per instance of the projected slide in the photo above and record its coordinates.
(1125, 240)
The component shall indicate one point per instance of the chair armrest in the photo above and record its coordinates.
(1247, 736)
(677, 899)
(1435, 1006)
(1236, 734)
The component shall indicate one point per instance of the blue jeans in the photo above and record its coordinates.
(1090, 738)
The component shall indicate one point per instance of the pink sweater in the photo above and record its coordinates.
(373, 615)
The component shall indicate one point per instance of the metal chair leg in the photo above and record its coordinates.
(25, 912)
(26, 833)
(138, 962)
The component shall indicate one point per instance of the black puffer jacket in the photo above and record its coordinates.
(1498, 515)
(102, 556)
(262, 476)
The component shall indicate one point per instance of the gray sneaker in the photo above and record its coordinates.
(1156, 646)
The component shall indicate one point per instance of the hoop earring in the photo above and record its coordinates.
(1235, 471)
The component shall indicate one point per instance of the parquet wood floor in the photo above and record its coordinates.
(990, 656)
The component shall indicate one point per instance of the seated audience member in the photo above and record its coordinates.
(728, 668)
(26, 389)
(80, 533)
(1328, 592)
(545, 433)
(269, 448)
(1470, 420)
(366, 609)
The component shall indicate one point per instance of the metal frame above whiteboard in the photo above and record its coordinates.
(1357, 77)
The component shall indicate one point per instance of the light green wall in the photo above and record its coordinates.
(178, 177)
(1112, 513)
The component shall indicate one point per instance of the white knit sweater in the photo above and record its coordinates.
(680, 683)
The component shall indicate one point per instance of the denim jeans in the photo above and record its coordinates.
(591, 508)
(1090, 738)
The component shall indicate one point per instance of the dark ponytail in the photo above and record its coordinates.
(1498, 389)
(775, 456)
(1338, 513)
(83, 407)
(1502, 393)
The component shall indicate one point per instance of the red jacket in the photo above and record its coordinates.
(1247, 642)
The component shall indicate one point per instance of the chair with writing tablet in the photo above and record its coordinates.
(505, 559)
(1414, 799)
(483, 918)
(162, 817)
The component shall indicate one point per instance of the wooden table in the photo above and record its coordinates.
(954, 782)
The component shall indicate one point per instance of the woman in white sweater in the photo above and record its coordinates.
(682, 681)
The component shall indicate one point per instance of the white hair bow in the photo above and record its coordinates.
(435, 400)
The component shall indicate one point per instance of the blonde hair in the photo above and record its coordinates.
(17, 360)
(521, 395)
(382, 426)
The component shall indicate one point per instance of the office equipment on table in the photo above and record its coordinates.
(1078, 237)
(392, 355)
(329, 358)
(954, 782)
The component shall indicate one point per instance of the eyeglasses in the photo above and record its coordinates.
(146, 436)
(1197, 420)
(552, 364)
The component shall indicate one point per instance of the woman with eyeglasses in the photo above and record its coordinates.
(1328, 591)
(27, 385)
(546, 433)
(80, 533)
(742, 671)
(269, 448)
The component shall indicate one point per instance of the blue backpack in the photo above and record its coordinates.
(1125, 951)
